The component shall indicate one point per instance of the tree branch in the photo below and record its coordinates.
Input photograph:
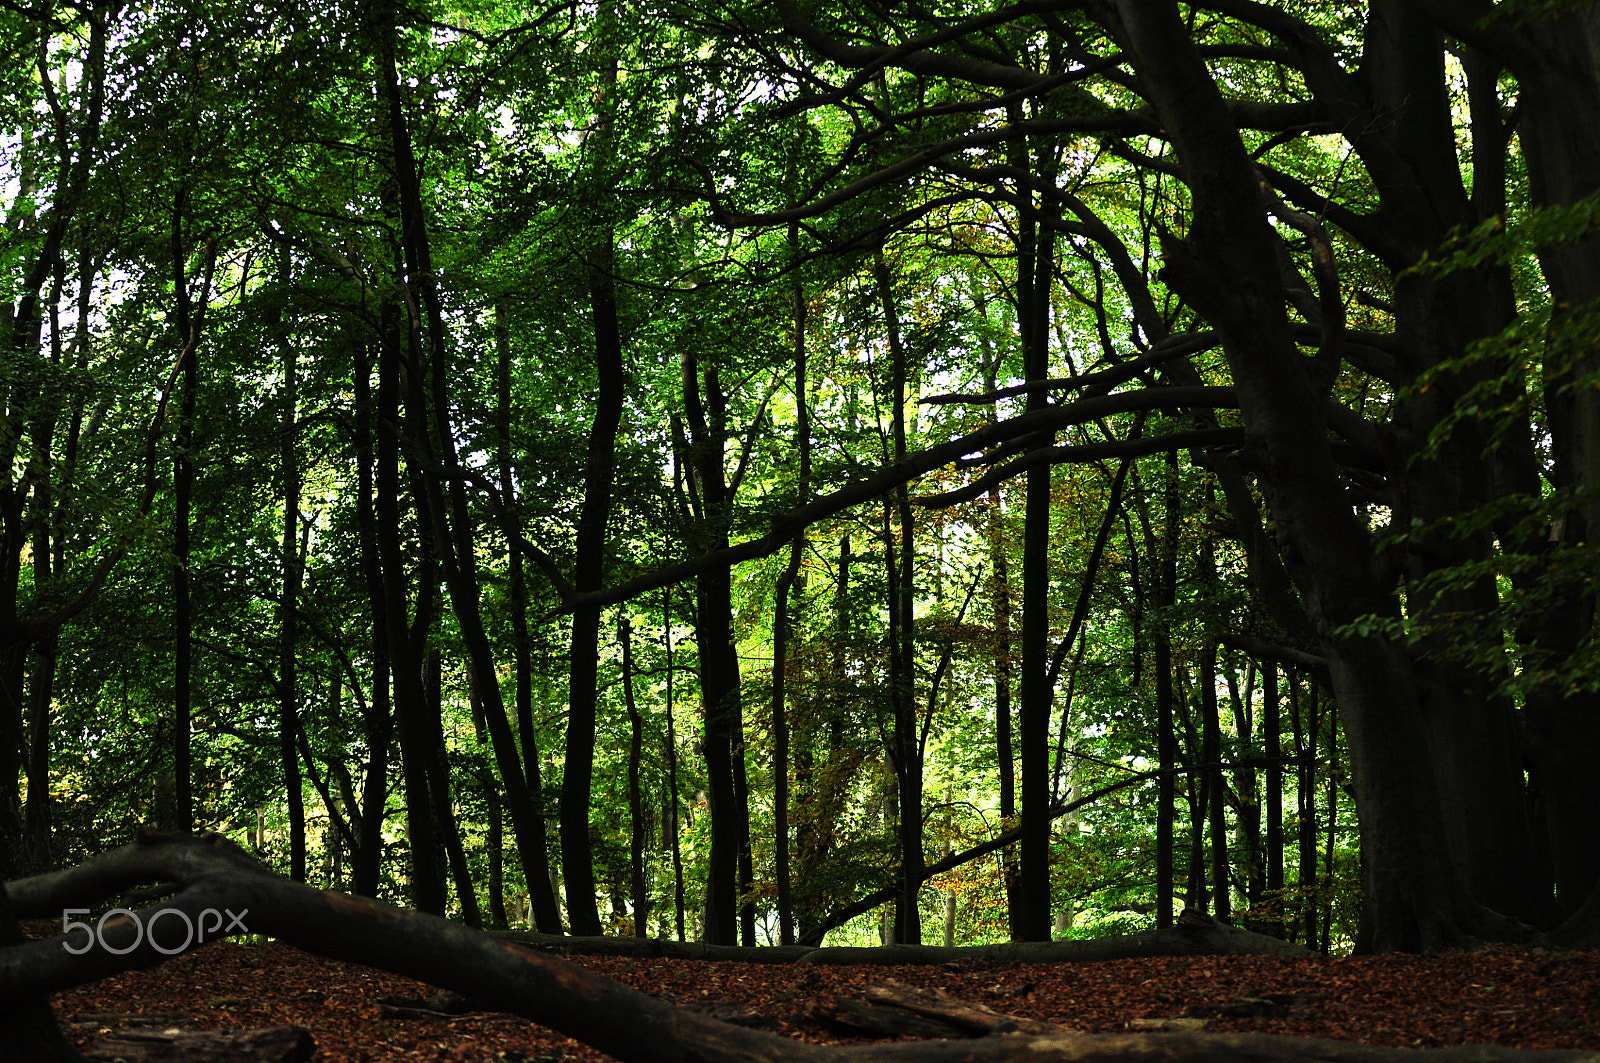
(786, 526)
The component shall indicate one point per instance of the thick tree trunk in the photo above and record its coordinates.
(1560, 103)
(30, 1026)
(1417, 896)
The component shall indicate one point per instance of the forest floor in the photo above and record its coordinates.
(1504, 996)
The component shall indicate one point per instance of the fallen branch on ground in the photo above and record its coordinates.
(214, 875)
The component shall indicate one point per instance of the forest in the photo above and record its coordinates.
(753, 473)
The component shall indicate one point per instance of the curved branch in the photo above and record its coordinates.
(786, 526)
(1110, 448)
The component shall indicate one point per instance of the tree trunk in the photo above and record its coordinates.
(1417, 896)
(577, 859)
(1035, 271)
(1306, 726)
(905, 749)
(1247, 807)
(446, 512)
(672, 767)
(1559, 76)
(533, 847)
(440, 788)
(1166, 736)
(427, 878)
(719, 662)
(999, 558)
(1211, 754)
(636, 818)
(1271, 721)
(378, 715)
(31, 1032)
(783, 622)
(288, 635)
(189, 320)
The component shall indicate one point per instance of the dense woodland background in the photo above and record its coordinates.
(699, 470)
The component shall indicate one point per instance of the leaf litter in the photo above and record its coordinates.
(1526, 998)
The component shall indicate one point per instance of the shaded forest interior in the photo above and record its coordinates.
(743, 474)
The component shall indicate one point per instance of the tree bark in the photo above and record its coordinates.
(378, 715)
(905, 752)
(1035, 269)
(636, 817)
(288, 635)
(1416, 896)
(783, 621)
(1166, 736)
(1273, 746)
(440, 788)
(533, 848)
(719, 662)
(672, 767)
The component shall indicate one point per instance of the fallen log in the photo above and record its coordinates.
(274, 1044)
(629, 1025)
(1203, 937)
(893, 1008)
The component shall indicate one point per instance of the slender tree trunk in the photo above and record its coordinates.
(427, 879)
(1307, 725)
(1197, 792)
(1221, 894)
(905, 753)
(1247, 807)
(1333, 823)
(288, 635)
(1035, 276)
(445, 511)
(783, 622)
(641, 897)
(577, 859)
(719, 662)
(378, 718)
(999, 558)
(189, 322)
(440, 789)
(1272, 740)
(672, 766)
(1166, 735)
(533, 847)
